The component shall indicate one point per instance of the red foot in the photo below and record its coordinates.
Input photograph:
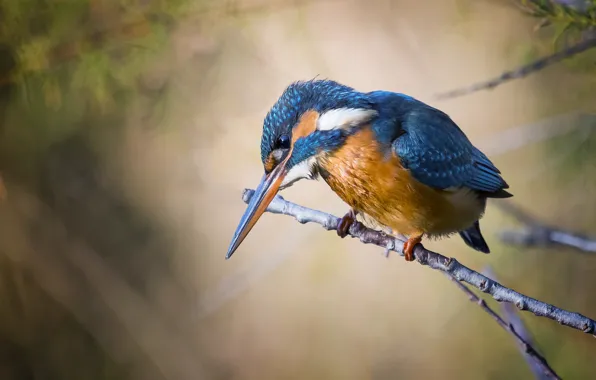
(409, 246)
(344, 224)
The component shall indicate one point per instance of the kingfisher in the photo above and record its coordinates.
(397, 162)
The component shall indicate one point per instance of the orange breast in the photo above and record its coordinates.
(379, 186)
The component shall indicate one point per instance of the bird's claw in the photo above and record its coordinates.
(409, 246)
(343, 227)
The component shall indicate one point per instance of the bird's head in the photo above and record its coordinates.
(309, 120)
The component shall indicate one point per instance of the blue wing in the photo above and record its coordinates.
(439, 154)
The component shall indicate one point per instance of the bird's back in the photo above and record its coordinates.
(412, 169)
(433, 147)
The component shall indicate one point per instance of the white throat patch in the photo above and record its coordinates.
(344, 118)
(300, 171)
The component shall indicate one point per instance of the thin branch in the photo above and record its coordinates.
(513, 319)
(435, 261)
(524, 345)
(522, 71)
(538, 234)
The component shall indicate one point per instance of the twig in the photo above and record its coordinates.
(539, 234)
(524, 345)
(522, 71)
(513, 319)
(435, 261)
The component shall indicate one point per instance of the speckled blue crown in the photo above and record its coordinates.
(299, 97)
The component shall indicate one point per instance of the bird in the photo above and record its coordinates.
(394, 160)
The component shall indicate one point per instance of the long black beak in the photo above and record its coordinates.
(263, 195)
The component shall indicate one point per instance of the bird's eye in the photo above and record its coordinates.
(283, 142)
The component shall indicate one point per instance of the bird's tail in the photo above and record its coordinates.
(473, 238)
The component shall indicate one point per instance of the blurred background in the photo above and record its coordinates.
(129, 129)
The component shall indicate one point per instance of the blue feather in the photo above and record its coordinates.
(297, 98)
(432, 146)
(428, 142)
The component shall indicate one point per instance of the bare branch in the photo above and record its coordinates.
(524, 345)
(435, 261)
(522, 71)
(514, 320)
(541, 235)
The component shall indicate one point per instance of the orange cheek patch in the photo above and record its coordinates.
(306, 125)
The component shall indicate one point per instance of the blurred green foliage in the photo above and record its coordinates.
(92, 47)
(562, 24)
(579, 14)
(69, 65)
